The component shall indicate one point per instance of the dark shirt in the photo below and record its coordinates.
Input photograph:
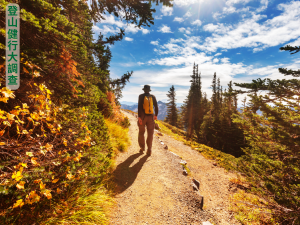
(141, 111)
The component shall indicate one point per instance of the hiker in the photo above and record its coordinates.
(146, 117)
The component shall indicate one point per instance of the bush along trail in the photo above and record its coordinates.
(175, 185)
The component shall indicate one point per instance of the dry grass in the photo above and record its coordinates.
(92, 204)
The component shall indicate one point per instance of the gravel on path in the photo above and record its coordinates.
(153, 190)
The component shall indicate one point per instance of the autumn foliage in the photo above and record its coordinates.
(36, 153)
(116, 115)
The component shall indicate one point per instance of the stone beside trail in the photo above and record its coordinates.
(153, 190)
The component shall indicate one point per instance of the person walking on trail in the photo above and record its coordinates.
(146, 117)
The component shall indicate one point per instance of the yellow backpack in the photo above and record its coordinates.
(148, 104)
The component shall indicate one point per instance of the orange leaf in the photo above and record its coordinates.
(38, 181)
(21, 185)
(54, 181)
(47, 193)
(34, 162)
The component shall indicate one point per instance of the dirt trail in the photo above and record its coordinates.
(153, 190)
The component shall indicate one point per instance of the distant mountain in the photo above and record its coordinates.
(128, 103)
(162, 108)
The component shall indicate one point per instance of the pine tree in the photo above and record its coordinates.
(192, 105)
(172, 112)
(272, 160)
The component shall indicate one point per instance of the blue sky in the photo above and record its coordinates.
(237, 39)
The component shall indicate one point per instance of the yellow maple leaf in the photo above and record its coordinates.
(58, 190)
(47, 193)
(19, 203)
(2, 143)
(17, 175)
(23, 164)
(20, 185)
(25, 106)
(34, 116)
(10, 116)
(29, 154)
(42, 186)
(34, 162)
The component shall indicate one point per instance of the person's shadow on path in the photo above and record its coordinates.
(124, 175)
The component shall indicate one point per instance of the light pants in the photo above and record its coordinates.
(149, 122)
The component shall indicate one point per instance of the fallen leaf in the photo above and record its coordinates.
(21, 185)
(47, 193)
(58, 190)
(17, 175)
(19, 203)
(42, 186)
(38, 181)
(34, 162)
(54, 181)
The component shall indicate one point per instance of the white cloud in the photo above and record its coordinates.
(295, 43)
(128, 39)
(140, 63)
(218, 54)
(154, 42)
(197, 22)
(106, 29)
(165, 29)
(186, 2)
(188, 14)
(250, 33)
(158, 17)
(185, 30)
(178, 19)
(230, 8)
(145, 31)
(115, 25)
(166, 11)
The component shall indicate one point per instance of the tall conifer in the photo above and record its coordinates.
(172, 112)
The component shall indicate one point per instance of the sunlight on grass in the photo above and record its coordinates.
(86, 206)
(250, 209)
(92, 204)
(119, 137)
(225, 160)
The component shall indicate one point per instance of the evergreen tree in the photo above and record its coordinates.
(172, 112)
(272, 160)
(192, 105)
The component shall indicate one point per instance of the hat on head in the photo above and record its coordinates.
(146, 88)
